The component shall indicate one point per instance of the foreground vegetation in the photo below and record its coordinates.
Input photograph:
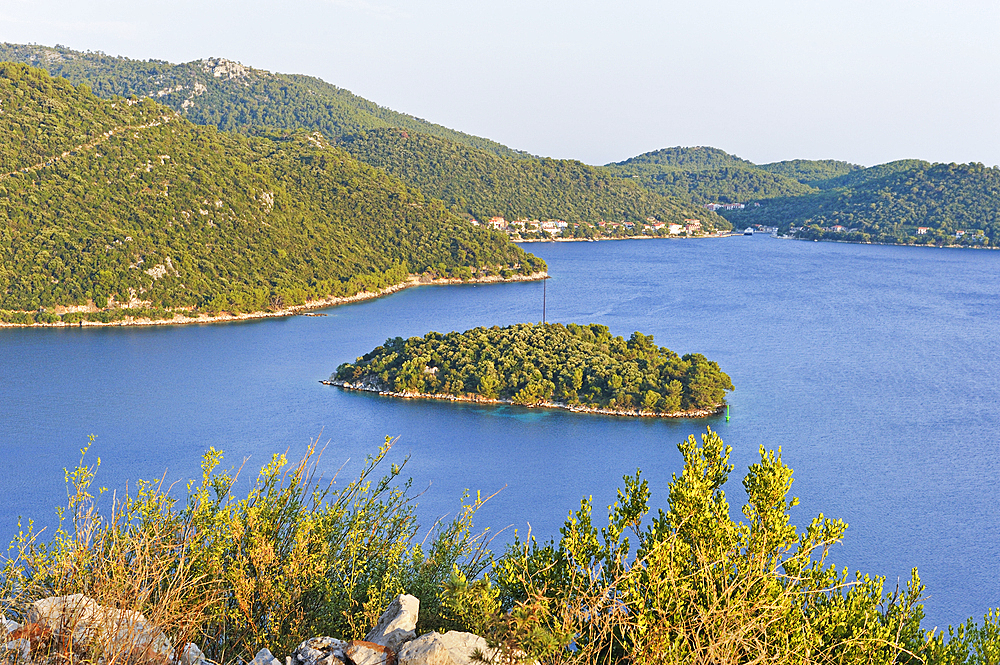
(529, 364)
(123, 201)
(295, 557)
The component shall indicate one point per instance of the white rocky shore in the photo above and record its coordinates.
(72, 624)
(180, 316)
(369, 387)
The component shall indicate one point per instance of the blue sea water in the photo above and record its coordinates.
(874, 369)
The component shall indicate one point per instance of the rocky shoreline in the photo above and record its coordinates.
(478, 399)
(603, 238)
(61, 629)
(180, 318)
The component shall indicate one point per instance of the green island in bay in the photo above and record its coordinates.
(576, 367)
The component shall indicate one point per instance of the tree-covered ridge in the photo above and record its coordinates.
(709, 175)
(955, 203)
(696, 158)
(232, 96)
(873, 175)
(483, 185)
(725, 185)
(119, 200)
(545, 363)
(811, 171)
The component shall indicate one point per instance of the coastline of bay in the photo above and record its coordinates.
(296, 310)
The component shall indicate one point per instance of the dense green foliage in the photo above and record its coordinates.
(481, 184)
(810, 171)
(725, 185)
(887, 203)
(697, 158)
(123, 199)
(236, 566)
(531, 364)
(692, 585)
(231, 96)
(242, 565)
(709, 175)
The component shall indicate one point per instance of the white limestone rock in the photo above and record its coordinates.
(265, 657)
(320, 651)
(397, 625)
(468, 648)
(192, 655)
(451, 648)
(7, 625)
(360, 652)
(117, 633)
(427, 649)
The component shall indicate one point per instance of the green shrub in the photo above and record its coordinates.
(699, 587)
(24, 318)
(296, 557)
(292, 559)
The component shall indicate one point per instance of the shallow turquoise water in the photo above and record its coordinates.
(873, 368)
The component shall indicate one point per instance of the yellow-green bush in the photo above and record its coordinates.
(700, 587)
(294, 558)
(298, 557)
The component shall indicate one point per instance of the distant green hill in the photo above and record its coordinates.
(887, 203)
(725, 185)
(482, 184)
(813, 172)
(698, 158)
(706, 175)
(955, 203)
(115, 199)
(232, 96)
(476, 176)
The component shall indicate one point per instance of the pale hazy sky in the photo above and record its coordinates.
(863, 81)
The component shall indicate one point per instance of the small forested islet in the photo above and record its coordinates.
(582, 367)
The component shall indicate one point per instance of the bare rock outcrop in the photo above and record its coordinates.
(84, 624)
(451, 648)
(397, 625)
(362, 652)
(320, 651)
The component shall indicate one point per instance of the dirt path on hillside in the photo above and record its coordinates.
(90, 145)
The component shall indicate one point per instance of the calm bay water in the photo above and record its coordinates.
(875, 369)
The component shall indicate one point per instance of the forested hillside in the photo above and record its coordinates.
(481, 184)
(709, 175)
(532, 364)
(813, 172)
(955, 203)
(117, 200)
(725, 185)
(696, 158)
(232, 96)
(476, 176)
